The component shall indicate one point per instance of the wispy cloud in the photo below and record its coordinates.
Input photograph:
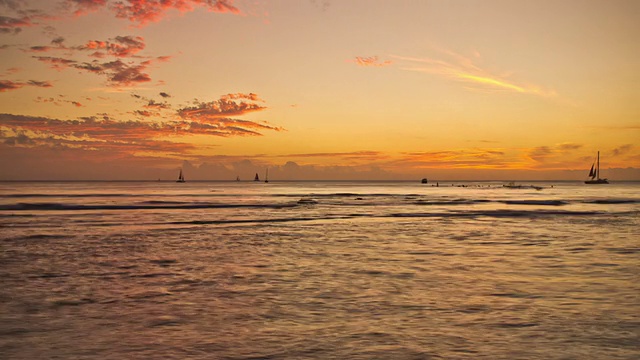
(459, 158)
(7, 85)
(466, 70)
(622, 150)
(371, 61)
(543, 154)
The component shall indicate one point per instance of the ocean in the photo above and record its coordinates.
(319, 270)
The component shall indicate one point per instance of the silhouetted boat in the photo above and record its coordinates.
(425, 181)
(237, 178)
(266, 176)
(180, 177)
(257, 178)
(594, 173)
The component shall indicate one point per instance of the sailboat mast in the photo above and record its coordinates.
(598, 167)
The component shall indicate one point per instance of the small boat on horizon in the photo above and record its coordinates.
(594, 173)
(257, 178)
(266, 176)
(180, 177)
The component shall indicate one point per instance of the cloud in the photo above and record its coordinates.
(621, 150)
(56, 63)
(120, 46)
(82, 7)
(103, 133)
(565, 147)
(459, 158)
(7, 85)
(227, 105)
(118, 73)
(11, 25)
(44, 84)
(143, 12)
(11, 4)
(371, 61)
(165, 95)
(544, 153)
(59, 101)
(465, 70)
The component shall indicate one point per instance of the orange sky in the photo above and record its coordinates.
(358, 89)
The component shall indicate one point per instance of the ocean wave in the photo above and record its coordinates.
(612, 201)
(143, 206)
(500, 213)
(535, 202)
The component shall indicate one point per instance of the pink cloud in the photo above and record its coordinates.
(146, 11)
(121, 46)
(371, 61)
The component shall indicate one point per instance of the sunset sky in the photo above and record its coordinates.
(324, 89)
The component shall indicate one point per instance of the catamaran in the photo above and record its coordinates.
(594, 173)
(180, 177)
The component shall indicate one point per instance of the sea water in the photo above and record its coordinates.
(319, 270)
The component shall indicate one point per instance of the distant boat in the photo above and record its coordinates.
(180, 177)
(266, 176)
(594, 173)
(257, 178)
(425, 181)
(237, 178)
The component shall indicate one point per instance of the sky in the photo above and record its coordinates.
(319, 89)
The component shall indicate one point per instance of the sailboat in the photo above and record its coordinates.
(594, 173)
(257, 178)
(180, 177)
(266, 176)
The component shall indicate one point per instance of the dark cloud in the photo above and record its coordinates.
(81, 7)
(56, 62)
(118, 73)
(165, 95)
(40, 83)
(7, 85)
(621, 150)
(11, 4)
(540, 153)
(58, 41)
(569, 146)
(12, 25)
